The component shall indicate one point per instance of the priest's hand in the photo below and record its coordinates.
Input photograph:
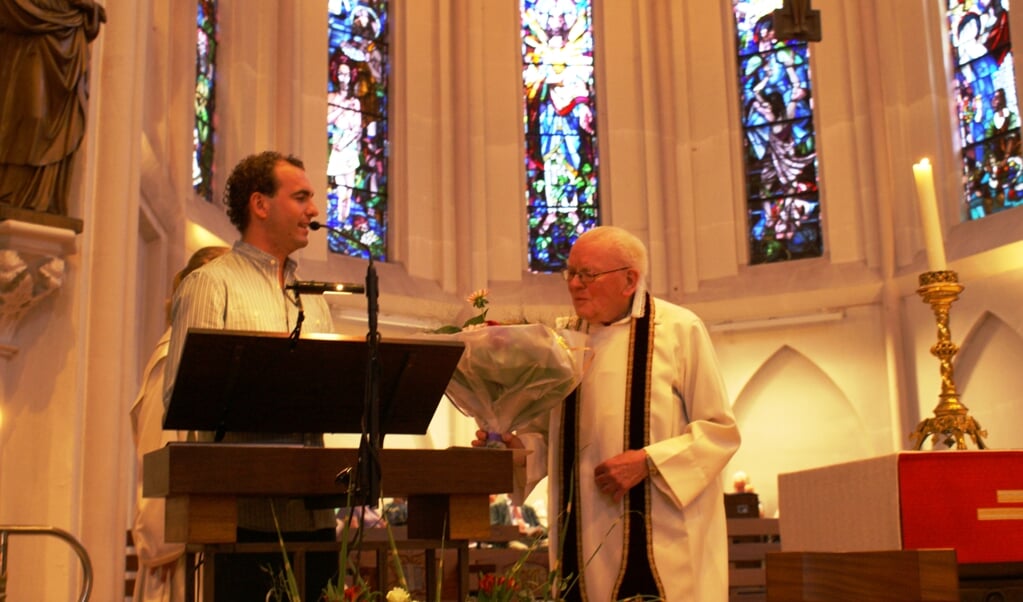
(483, 439)
(616, 476)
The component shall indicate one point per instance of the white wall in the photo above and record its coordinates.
(806, 393)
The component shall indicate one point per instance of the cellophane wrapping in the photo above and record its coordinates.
(511, 374)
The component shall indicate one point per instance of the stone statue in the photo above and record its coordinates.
(43, 97)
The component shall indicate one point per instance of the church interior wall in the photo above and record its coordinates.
(831, 338)
(989, 381)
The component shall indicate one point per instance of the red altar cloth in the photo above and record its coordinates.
(972, 501)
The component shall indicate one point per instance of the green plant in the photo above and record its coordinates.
(351, 587)
(283, 583)
(508, 586)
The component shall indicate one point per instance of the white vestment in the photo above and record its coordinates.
(692, 436)
(161, 573)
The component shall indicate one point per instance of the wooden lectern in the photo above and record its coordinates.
(203, 481)
(235, 381)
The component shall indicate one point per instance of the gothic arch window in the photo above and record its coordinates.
(205, 98)
(560, 127)
(779, 141)
(357, 125)
(986, 104)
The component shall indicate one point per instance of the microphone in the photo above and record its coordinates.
(314, 287)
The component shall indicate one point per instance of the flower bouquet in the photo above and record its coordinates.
(510, 374)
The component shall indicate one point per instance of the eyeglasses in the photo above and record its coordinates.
(587, 277)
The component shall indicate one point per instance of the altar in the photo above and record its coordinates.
(969, 500)
(910, 504)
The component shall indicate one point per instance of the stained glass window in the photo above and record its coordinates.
(205, 97)
(358, 65)
(986, 104)
(560, 127)
(782, 196)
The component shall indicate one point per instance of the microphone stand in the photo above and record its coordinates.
(369, 448)
(367, 471)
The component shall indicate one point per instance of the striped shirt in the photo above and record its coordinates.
(240, 291)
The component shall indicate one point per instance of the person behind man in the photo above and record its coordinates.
(505, 512)
(637, 451)
(396, 512)
(161, 575)
(270, 200)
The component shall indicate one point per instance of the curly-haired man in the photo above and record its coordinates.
(270, 200)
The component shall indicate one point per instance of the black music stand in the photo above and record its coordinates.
(235, 381)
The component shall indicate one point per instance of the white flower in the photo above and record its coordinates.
(398, 594)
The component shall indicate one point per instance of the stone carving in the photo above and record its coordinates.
(25, 280)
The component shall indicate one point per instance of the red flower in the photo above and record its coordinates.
(487, 583)
(496, 587)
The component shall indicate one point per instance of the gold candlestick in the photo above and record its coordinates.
(951, 418)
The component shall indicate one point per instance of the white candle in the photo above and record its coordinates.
(929, 215)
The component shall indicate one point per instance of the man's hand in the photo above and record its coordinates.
(616, 476)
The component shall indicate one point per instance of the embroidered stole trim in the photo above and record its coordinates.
(570, 539)
(636, 576)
